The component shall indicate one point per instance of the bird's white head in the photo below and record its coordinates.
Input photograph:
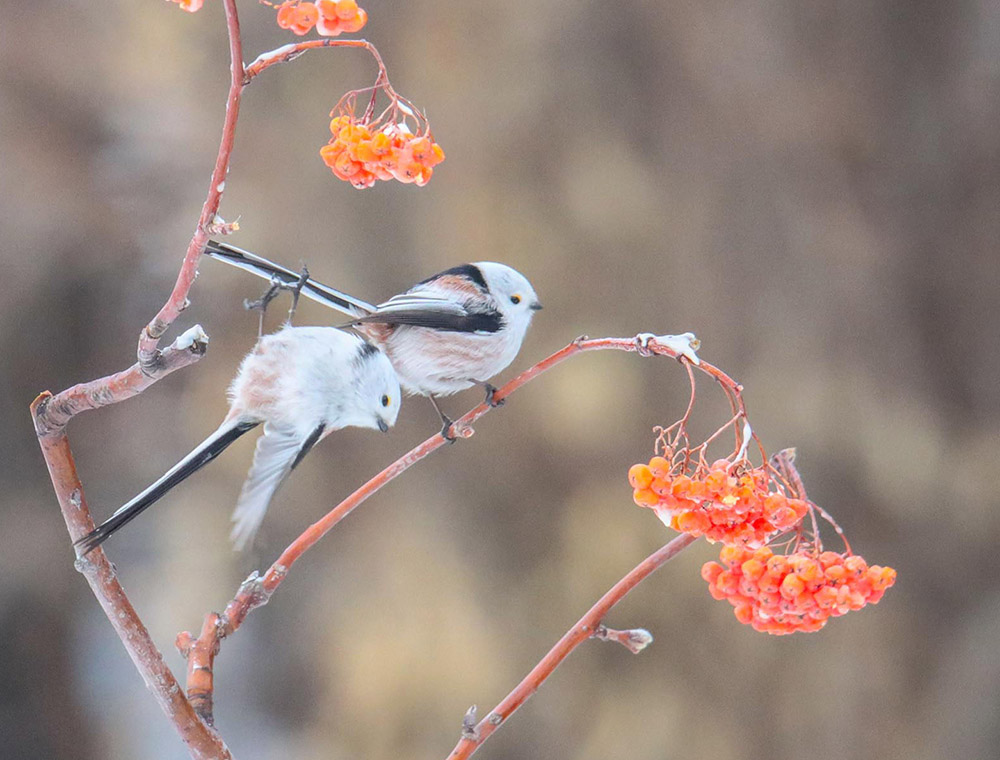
(514, 296)
(376, 389)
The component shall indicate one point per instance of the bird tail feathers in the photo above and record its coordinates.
(268, 270)
(202, 454)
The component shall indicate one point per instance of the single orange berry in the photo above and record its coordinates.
(355, 24)
(753, 569)
(730, 555)
(345, 9)
(792, 586)
(710, 571)
(694, 523)
(743, 612)
(639, 475)
(645, 498)
(659, 464)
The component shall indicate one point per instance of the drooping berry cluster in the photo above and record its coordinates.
(362, 153)
(736, 505)
(779, 594)
(330, 17)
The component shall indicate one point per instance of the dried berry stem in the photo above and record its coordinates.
(584, 628)
(289, 52)
(251, 596)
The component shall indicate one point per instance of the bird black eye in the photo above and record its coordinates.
(385, 401)
(515, 300)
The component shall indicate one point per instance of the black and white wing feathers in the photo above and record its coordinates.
(436, 312)
(268, 270)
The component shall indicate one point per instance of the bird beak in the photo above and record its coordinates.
(383, 425)
(535, 306)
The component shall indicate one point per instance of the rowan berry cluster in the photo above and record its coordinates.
(780, 594)
(361, 153)
(330, 17)
(735, 504)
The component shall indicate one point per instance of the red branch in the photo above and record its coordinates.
(51, 413)
(201, 741)
(585, 628)
(292, 51)
(149, 338)
(256, 590)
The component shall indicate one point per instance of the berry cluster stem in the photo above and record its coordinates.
(289, 52)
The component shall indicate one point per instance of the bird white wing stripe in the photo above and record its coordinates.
(409, 302)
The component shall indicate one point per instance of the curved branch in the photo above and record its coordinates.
(148, 351)
(256, 590)
(585, 628)
(292, 51)
(202, 743)
(53, 413)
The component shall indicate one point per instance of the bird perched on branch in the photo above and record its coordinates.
(449, 332)
(302, 383)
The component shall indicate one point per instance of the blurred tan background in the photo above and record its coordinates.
(812, 187)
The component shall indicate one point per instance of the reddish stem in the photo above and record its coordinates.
(202, 742)
(585, 628)
(255, 591)
(294, 50)
(53, 413)
(148, 351)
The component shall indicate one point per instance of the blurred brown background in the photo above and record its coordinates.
(812, 187)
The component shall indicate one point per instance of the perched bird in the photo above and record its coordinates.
(449, 332)
(302, 383)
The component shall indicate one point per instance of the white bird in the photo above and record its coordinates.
(449, 332)
(302, 383)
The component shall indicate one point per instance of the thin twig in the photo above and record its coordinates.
(53, 413)
(289, 52)
(584, 628)
(149, 338)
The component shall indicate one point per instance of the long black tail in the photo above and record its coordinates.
(204, 453)
(268, 270)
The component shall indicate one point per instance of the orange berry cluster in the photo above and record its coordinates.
(738, 510)
(361, 154)
(330, 17)
(779, 593)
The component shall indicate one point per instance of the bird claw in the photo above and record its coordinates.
(446, 430)
(277, 285)
(490, 401)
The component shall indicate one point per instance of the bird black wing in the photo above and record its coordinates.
(437, 313)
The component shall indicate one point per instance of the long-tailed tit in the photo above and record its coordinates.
(302, 383)
(449, 332)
